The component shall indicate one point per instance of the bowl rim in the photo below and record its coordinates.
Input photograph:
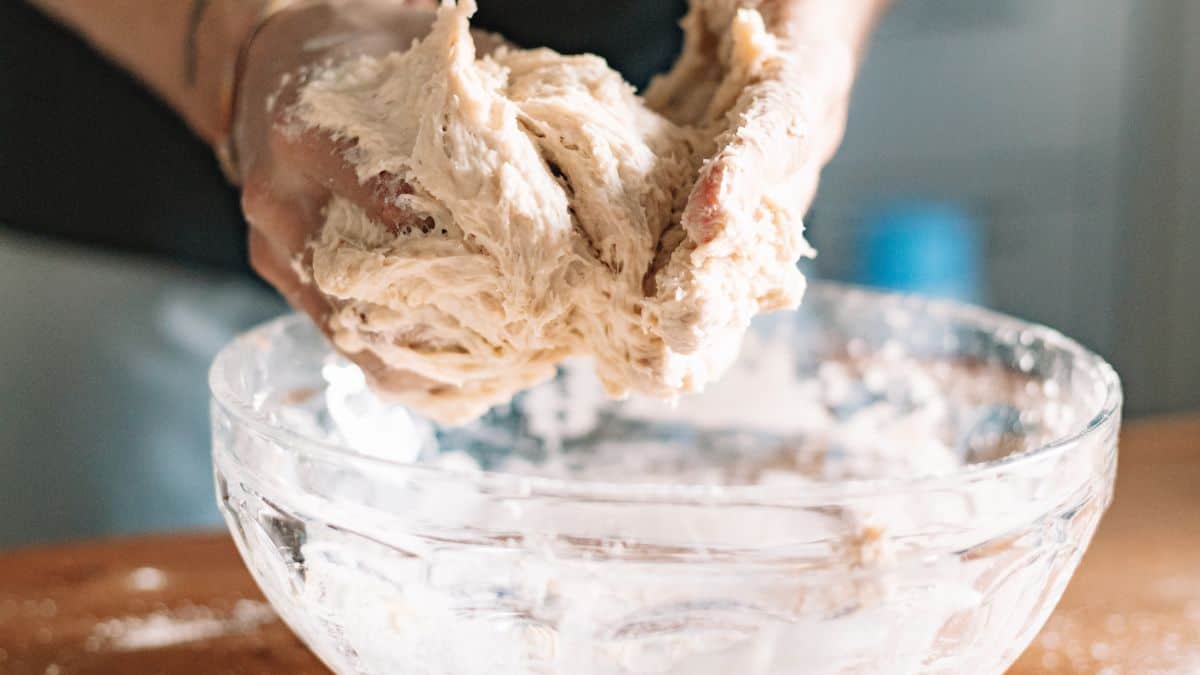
(816, 493)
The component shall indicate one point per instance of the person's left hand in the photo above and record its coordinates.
(788, 118)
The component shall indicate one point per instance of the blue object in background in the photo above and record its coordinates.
(925, 247)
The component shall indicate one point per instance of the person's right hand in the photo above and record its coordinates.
(290, 172)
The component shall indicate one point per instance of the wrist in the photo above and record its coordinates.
(219, 38)
(216, 33)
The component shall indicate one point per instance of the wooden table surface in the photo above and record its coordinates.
(183, 604)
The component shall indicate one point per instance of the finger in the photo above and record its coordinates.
(286, 208)
(827, 139)
(322, 159)
(392, 380)
(281, 225)
(806, 186)
(277, 268)
(770, 143)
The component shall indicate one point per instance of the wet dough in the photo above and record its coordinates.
(556, 213)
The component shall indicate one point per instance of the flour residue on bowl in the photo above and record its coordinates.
(774, 418)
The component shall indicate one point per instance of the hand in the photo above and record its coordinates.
(773, 86)
(788, 117)
(291, 171)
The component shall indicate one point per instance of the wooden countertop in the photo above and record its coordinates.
(184, 604)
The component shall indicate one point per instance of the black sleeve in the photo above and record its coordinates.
(88, 155)
(638, 37)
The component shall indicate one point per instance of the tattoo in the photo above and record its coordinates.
(195, 16)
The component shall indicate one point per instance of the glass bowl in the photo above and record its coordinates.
(881, 484)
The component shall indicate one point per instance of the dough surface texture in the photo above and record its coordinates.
(556, 213)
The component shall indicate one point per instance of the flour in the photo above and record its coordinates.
(883, 415)
(548, 212)
(170, 628)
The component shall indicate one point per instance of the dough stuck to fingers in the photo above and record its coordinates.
(560, 215)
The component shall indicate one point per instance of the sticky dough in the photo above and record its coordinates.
(556, 213)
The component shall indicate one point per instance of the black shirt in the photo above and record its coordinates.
(88, 155)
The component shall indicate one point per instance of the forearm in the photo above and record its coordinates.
(184, 50)
(848, 22)
(829, 39)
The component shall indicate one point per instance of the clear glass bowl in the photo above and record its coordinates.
(882, 484)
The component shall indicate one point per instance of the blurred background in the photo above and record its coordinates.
(1038, 156)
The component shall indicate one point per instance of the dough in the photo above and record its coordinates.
(557, 214)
